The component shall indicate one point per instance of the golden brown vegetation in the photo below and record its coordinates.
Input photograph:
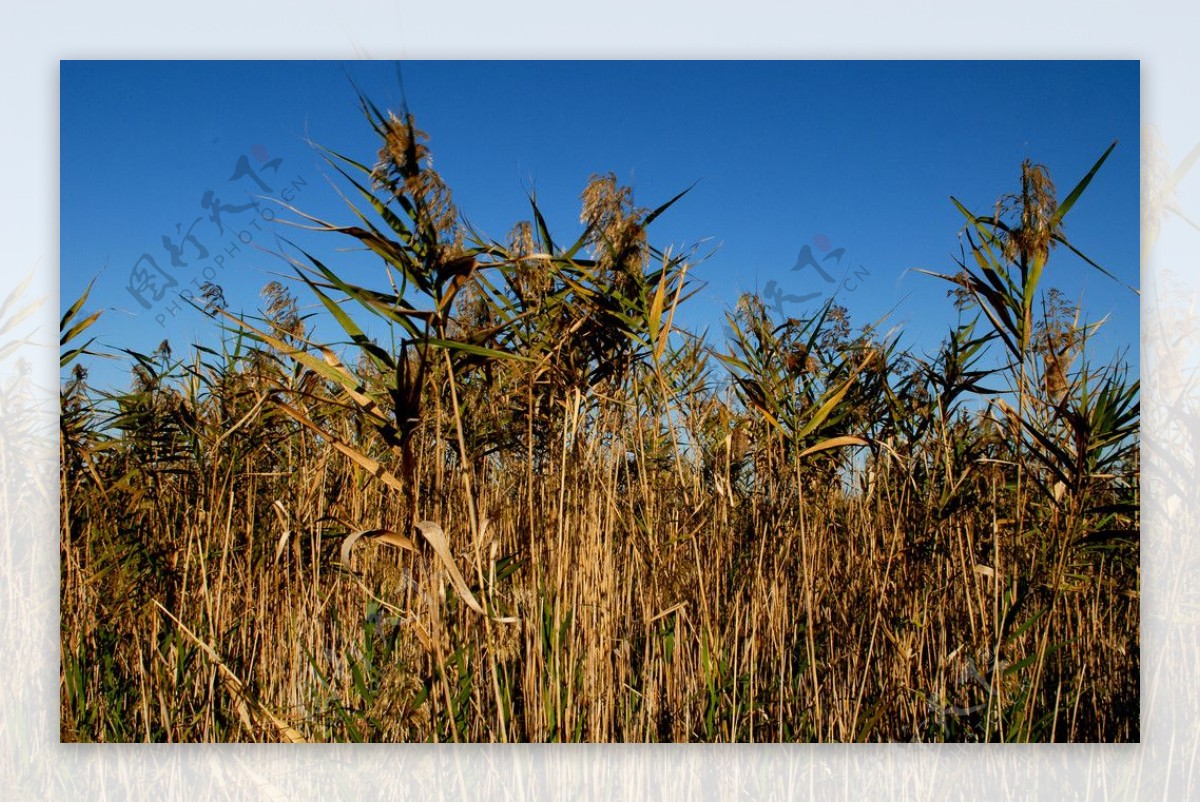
(541, 511)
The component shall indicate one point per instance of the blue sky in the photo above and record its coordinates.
(860, 156)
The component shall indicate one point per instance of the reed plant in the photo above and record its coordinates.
(515, 500)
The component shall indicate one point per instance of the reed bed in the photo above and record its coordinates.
(518, 502)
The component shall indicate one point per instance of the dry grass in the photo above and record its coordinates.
(548, 514)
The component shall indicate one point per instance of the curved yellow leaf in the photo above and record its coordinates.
(833, 443)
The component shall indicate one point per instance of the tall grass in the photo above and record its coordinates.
(519, 503)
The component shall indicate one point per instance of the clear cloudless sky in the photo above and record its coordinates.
(855, 160)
